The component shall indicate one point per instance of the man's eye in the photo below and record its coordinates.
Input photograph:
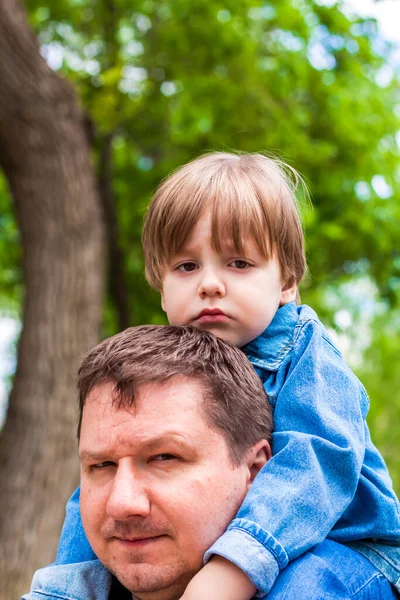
(240, 264)
(187, 267)
(102, 465)
(164, 457)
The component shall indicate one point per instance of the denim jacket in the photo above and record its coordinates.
(325, 479)
(328, 571)
(87, 580)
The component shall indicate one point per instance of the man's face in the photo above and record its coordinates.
(157, 485)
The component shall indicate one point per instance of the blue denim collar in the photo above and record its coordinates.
(270, 348)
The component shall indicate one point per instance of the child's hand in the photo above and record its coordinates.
(220, 579)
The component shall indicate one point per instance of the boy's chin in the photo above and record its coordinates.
(228, 335)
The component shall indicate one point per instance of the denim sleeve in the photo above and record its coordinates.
(74, 546)
(81, 581)
(318, 451)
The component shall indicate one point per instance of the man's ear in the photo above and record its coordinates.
(258, 456)
(288, 293)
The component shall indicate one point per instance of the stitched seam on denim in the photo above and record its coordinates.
(267, 365)
(272, 366)
(286, 349)
(386, 558)
(270, 550)
(326, 339)
(300, 325)
(283, 350)
(375, 576)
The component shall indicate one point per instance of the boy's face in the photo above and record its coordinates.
(235, 297)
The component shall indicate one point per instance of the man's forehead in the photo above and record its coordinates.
(177, 389)
(168, 409)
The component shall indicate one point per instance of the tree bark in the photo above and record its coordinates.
(45, 156)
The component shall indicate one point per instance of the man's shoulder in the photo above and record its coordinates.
(80, 581)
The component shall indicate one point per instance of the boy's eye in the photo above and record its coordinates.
(187, 267)
(240, 264)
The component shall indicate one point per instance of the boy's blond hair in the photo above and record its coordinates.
(250, 196)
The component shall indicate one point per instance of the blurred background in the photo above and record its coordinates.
(101, 99)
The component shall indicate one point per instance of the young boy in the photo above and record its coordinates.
(223, 244)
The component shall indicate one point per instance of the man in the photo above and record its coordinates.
(174, 426)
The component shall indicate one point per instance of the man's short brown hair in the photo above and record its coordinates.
(250, 196)
(235, 402)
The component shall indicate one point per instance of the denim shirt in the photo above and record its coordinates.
(325, 479)
(330, 570)
(87, 580)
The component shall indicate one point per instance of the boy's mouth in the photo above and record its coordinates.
(211, 315)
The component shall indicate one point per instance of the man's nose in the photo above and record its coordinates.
(211, 284)
(128, 496)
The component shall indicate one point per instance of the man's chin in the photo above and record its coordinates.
(145, 581)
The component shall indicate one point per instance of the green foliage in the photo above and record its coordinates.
(381, 377)
(10, 253)
(172, 79)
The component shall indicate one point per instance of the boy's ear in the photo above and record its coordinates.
(258, 456)
(288, 293)
(162, 302)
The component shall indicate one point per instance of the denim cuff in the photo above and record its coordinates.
(255, 551)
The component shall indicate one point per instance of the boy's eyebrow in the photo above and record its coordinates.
(187, 247)
(226, 245)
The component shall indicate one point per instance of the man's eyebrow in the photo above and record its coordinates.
(149, 444)
(166, 438)
(88, 456)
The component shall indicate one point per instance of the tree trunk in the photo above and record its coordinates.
(45, 156)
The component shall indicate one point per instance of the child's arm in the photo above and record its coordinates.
(220, 579)
(318, 446)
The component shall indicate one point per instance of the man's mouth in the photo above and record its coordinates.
(136, 542)
(211, 315)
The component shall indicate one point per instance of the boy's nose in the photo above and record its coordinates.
(128, 497)
(211, 285)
